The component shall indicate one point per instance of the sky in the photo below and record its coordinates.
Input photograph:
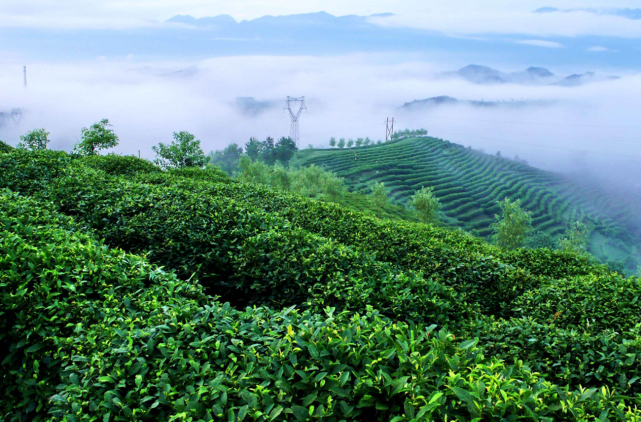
(449, 16)
(350, 93)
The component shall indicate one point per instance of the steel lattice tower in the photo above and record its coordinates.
(295, 116)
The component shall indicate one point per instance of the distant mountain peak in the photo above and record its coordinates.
(539, 71)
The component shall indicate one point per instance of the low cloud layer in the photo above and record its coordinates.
(593, 127)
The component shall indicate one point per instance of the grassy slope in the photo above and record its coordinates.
(469, 183)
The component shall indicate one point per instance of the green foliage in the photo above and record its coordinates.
(616, 266)
(332, 142)
(409, 133)
(266, 151)
(96, 138)
(359, 142)
(253, 148)
(341, 143)
(118, 164)
(37, 139)
(94, 331)
(512, 226)
(575, 238)
(157, 348)
(184, 151)
(229, 158)
(469, 183)
(540, 239)
(310, 182)
(379, 195)
(426, 204)
(350, 143)
(4, 147)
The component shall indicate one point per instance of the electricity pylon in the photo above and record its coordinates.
(295, 116)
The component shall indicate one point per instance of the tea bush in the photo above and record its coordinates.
(93, 333)
(118, 164)
(95, 329)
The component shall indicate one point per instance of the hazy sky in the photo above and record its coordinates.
(450, 16)
(349, 93)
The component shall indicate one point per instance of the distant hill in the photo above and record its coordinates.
(469, 183)
(531, 76)
(435, 102)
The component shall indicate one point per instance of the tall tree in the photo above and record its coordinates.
(184, 151)
(359, 142)
(95, 138)
(285, 149)
(332, 142)
(35, 140)
(227, 159)
(253, 148)
(426, 204)
(512, 226)
(341, 143)
(268, 151)
(350, 143)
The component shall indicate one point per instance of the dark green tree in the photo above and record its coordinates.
(285, 149)
(332, 142)
(95, 138)
(253, 148)
(341, 143)
(268, 151)
(227, 159)
(184, 151)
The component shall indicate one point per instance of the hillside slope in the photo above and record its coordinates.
(469, 183)
(109, 267)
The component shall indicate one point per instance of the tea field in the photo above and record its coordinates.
(469, 184)
(133, 293)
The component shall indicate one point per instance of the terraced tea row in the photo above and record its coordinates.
(469, 183)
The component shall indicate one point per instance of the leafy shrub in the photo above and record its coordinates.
(566, 356)
(591, 303)
(244, 254)
(119, 165)
(210, 173)
(123, 340)
(30, 172)
(5, 148)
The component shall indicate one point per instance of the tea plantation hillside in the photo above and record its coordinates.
(133, 293)
(469, 183)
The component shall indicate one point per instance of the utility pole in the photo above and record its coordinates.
(25, 76)
(295, 116)
(389, 129)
